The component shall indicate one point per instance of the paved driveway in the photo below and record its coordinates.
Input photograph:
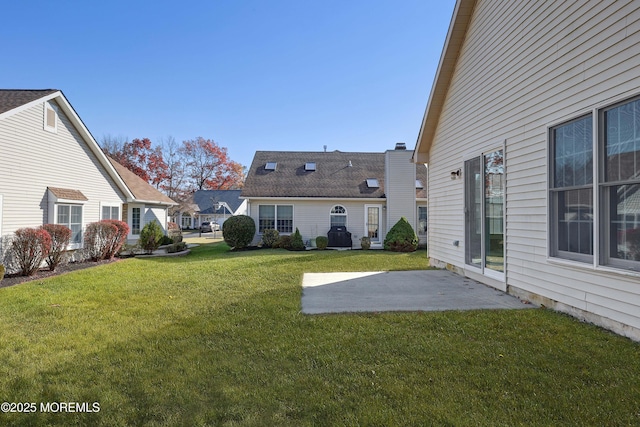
(423, 290)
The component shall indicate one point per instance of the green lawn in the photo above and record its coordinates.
(217, 338)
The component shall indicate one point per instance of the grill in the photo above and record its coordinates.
(339, 237)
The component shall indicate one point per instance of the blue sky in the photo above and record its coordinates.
(251, 75)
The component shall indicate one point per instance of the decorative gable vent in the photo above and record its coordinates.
(372, 183)
(50, 118)
(310, 166)
(271, 166)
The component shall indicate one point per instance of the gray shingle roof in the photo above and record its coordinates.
(13, 98)
(204, 200)
(333, 177)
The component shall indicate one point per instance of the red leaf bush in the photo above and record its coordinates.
(29, 248)
(60, 238)
(115, 243)
(98, 239)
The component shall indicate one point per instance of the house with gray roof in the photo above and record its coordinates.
(213, 206)
(53, 171)
(367, 193)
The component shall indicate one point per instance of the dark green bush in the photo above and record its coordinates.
(270, 237)
(151, 236)
(296, 241)
(322, 242)
(166, 240)
(238, 231)
(176, 247)
(401, 237)
(284, 242)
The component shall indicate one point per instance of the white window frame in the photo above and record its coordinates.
(332, 215)
(601, 259)
(483, 269)
(110, 206)
(275, 219)
(56, 210)
(141, 219)
(426, 207)
(47, 108)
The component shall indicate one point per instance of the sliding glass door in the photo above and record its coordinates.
(484, 212)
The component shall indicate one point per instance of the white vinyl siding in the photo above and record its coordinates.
(400, 188)
(525, 67)
(313, 219)
(34, 159)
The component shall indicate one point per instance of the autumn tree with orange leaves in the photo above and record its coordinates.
(208, 166)
(199, 164)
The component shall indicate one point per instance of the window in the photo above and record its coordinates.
(271, 166)
(572, 189)
(71, 216)
(278, 217)
(620, 184)
(372, 183)
(50, 118)
(135, 220)
(422, 220)
(310, 166)
(338, 216)
(419, 184)
(110, 212)
(581, 194)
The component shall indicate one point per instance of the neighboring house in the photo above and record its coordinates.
(209, 205)
(313, 191)
(218, 205)
(146, 203)
(532, 136)
(53, 171)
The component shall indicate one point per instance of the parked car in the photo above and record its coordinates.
(208, 227)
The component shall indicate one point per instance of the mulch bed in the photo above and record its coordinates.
(13, 279)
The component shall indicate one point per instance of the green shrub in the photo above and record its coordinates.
(296, 241)
(60, 238)
(401, 237)
(1, 271)
(270, 237)
(238, 231)
(284, 242)
(151, 236)
(322, 242)
(176, 247)
(166, 240)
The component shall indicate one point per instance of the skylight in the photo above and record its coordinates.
(310, 166)
(271, 166)
(419, 184)
(372, 183)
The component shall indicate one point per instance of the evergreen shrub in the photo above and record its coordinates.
(401, 237)
(238, 231)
